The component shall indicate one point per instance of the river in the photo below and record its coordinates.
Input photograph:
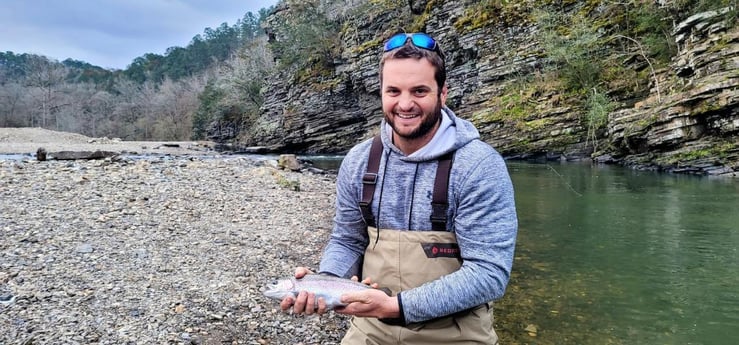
(608, 255)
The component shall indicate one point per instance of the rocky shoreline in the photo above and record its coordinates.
(27, 141)
(155, 250)
(165, 245)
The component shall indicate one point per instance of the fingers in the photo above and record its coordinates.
(301, 272)
(351, 297)
(366, 281)
(300, 302)
(322, 308)
(369, 303)
(310, 304)
(286, 303)
(306, 303)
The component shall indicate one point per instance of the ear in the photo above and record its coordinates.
(443, 94)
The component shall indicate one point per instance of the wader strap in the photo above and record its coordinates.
(369, 181)
(440, 200)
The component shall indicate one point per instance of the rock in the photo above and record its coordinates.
(6, 299)
(84, 248)
(531, 330)
(41, 154)
(289, 162)
(605, 159)
(73, 155)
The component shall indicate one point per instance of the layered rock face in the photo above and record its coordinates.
(690, 121)
(686, 122)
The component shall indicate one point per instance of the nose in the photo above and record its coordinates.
(406, 102)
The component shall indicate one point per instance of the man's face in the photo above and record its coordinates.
(411, 100)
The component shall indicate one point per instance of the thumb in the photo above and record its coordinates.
(351, 297)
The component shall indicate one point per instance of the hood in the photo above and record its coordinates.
(453, 133)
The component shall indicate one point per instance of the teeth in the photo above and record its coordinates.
(406, 116)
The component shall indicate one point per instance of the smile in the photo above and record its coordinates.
(406, 116)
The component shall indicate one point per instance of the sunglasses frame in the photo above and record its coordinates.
(419, 39)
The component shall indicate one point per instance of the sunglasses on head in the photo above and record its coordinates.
(418, 39)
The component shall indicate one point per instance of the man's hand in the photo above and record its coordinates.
(366, 281)
(305, 302)
(370, 303)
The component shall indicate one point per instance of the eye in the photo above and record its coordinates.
(420, 92)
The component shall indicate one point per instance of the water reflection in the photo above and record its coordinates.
(608, 255)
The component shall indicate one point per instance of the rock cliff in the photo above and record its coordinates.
(681, 118)
(691, 123)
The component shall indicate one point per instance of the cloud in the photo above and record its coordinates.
(111, 33)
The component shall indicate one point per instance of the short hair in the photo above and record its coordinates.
(410, 51)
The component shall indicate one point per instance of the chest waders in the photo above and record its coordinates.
(404, 259)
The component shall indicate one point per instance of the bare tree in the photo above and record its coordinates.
(12, 105)
(244, 74)
(44, 78)
(90, 110)
(135, 109)
(176, 103)
(129, 107)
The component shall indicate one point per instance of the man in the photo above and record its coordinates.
(443, 261)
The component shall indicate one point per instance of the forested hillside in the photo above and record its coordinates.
(155, 97)
(651, 83)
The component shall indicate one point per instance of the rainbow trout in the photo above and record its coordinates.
(328, 287)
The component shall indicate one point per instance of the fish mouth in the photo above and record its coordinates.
(278, 289)
(273, 293)
(276, 293)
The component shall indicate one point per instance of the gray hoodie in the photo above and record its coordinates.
(481, 213)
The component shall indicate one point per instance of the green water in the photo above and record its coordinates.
(608, 255)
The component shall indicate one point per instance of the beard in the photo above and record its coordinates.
(430, 120)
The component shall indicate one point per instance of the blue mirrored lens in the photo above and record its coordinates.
(396, 41)
(419, 40)
(423, 41)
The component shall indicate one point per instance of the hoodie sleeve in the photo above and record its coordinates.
(485, 224)
(345, 249)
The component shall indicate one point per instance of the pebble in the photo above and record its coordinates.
(84, 248)
(158, 250)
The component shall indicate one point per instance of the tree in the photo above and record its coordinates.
(245, 73)
(13, 66)
(134, 109)
(305, 37)
(175, 104)
(232, 100)
(44, 78)
(249, 27)
(209, 108)
(12, 104)
(92, 111)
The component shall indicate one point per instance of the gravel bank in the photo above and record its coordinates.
(27, 141)
(160, 250)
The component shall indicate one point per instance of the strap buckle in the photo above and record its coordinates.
(369, 178)
(438, 214)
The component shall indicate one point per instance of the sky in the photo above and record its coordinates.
(112, 33)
